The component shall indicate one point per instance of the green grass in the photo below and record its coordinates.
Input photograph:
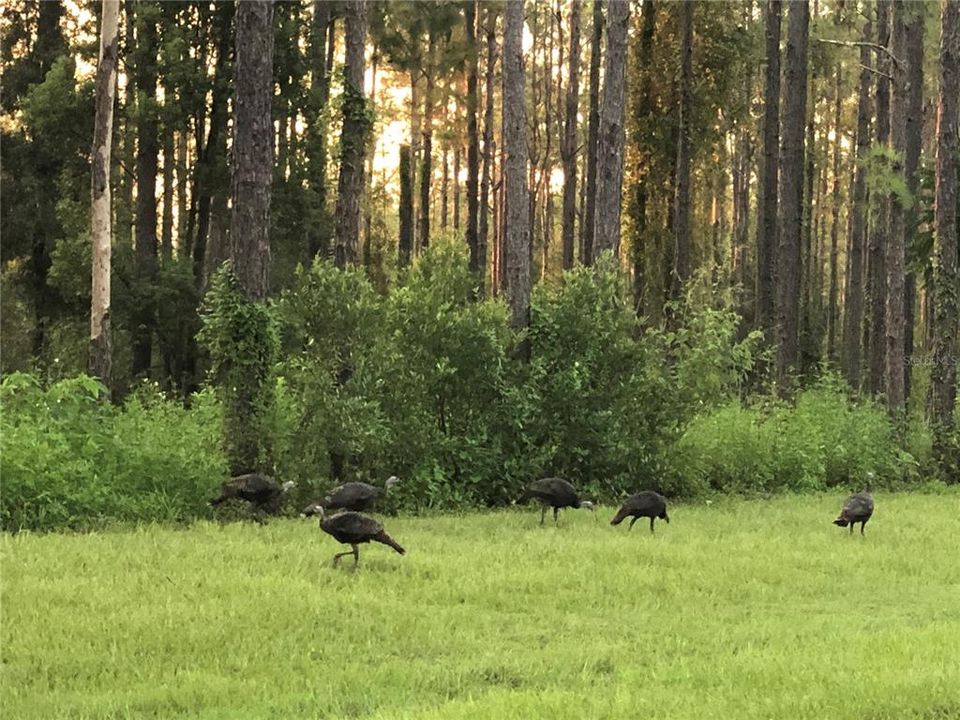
(742, 609)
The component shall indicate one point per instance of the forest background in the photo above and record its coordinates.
(691, 246)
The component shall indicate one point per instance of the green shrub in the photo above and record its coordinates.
(70, 461)
(821, 441)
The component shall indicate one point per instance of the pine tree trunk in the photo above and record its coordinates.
(913, 143)
(212, 163)
(318, 239)
(593, 128)
(406, 206)
(682, 240)
(166, 221)
(368, 177)
(426, 162)
(835, 220)
(353, 138)
(445, 187)
(877, 275)
(483, 222)
(183, 190)
(853, 293)
(767, 237)
(123, 225)
(517, 221)
(808, 349)
(946, 271)
(252, 147)
(100, 217)
(456, 186)
(568, 149)
(473, 140)
(169, 165)
(895, 256)
(790, 220)
(606, 234)
(641, 111)
(146, 224)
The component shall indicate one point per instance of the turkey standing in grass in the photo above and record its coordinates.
(857, 508)
(353, 529)
(261, 491)
(555, 493)
(357, 496)
(644, 504)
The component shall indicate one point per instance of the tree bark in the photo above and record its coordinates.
(681, 210)
(444, 186)
(353, 137)
(146, 223)
(483, 223)
(166, 222)
(912, 148)
(123, 210)
(835, 220)
(457, 153)
(406, 206)
(642, 109)
(568, 150)
(606, 233)
(767, 240)
(895, 251)
(318, 240)
(426, 162)
(790, 220)
(212, 160)
(809, 345)
(517, 224)
(183, 189)
(853, 295)
(879, 236)
(252, 147)
(906, 101)
(100, 218)
(946, 272)
(368, 176)
(593, 128)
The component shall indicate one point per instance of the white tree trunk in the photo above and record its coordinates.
(100, 228)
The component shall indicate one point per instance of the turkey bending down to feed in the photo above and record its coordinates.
(353, 529)
(261, 491)
(555, 493)
(357, 496)
(857, 508)
(643, 504)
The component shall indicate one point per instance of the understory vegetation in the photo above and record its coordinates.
(743, 609)
(426, 383)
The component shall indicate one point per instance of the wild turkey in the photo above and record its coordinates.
(642, 504)
(353, 529)
(357, 496)
(555, 493)
(857, 508)
(261, 491)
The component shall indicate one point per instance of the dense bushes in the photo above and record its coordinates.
(424, 382)
(70, 461)
(823, 441)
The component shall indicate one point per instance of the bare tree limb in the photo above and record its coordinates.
(855, 43)
(876, 72)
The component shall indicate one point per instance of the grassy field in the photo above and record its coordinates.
(742, 609)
